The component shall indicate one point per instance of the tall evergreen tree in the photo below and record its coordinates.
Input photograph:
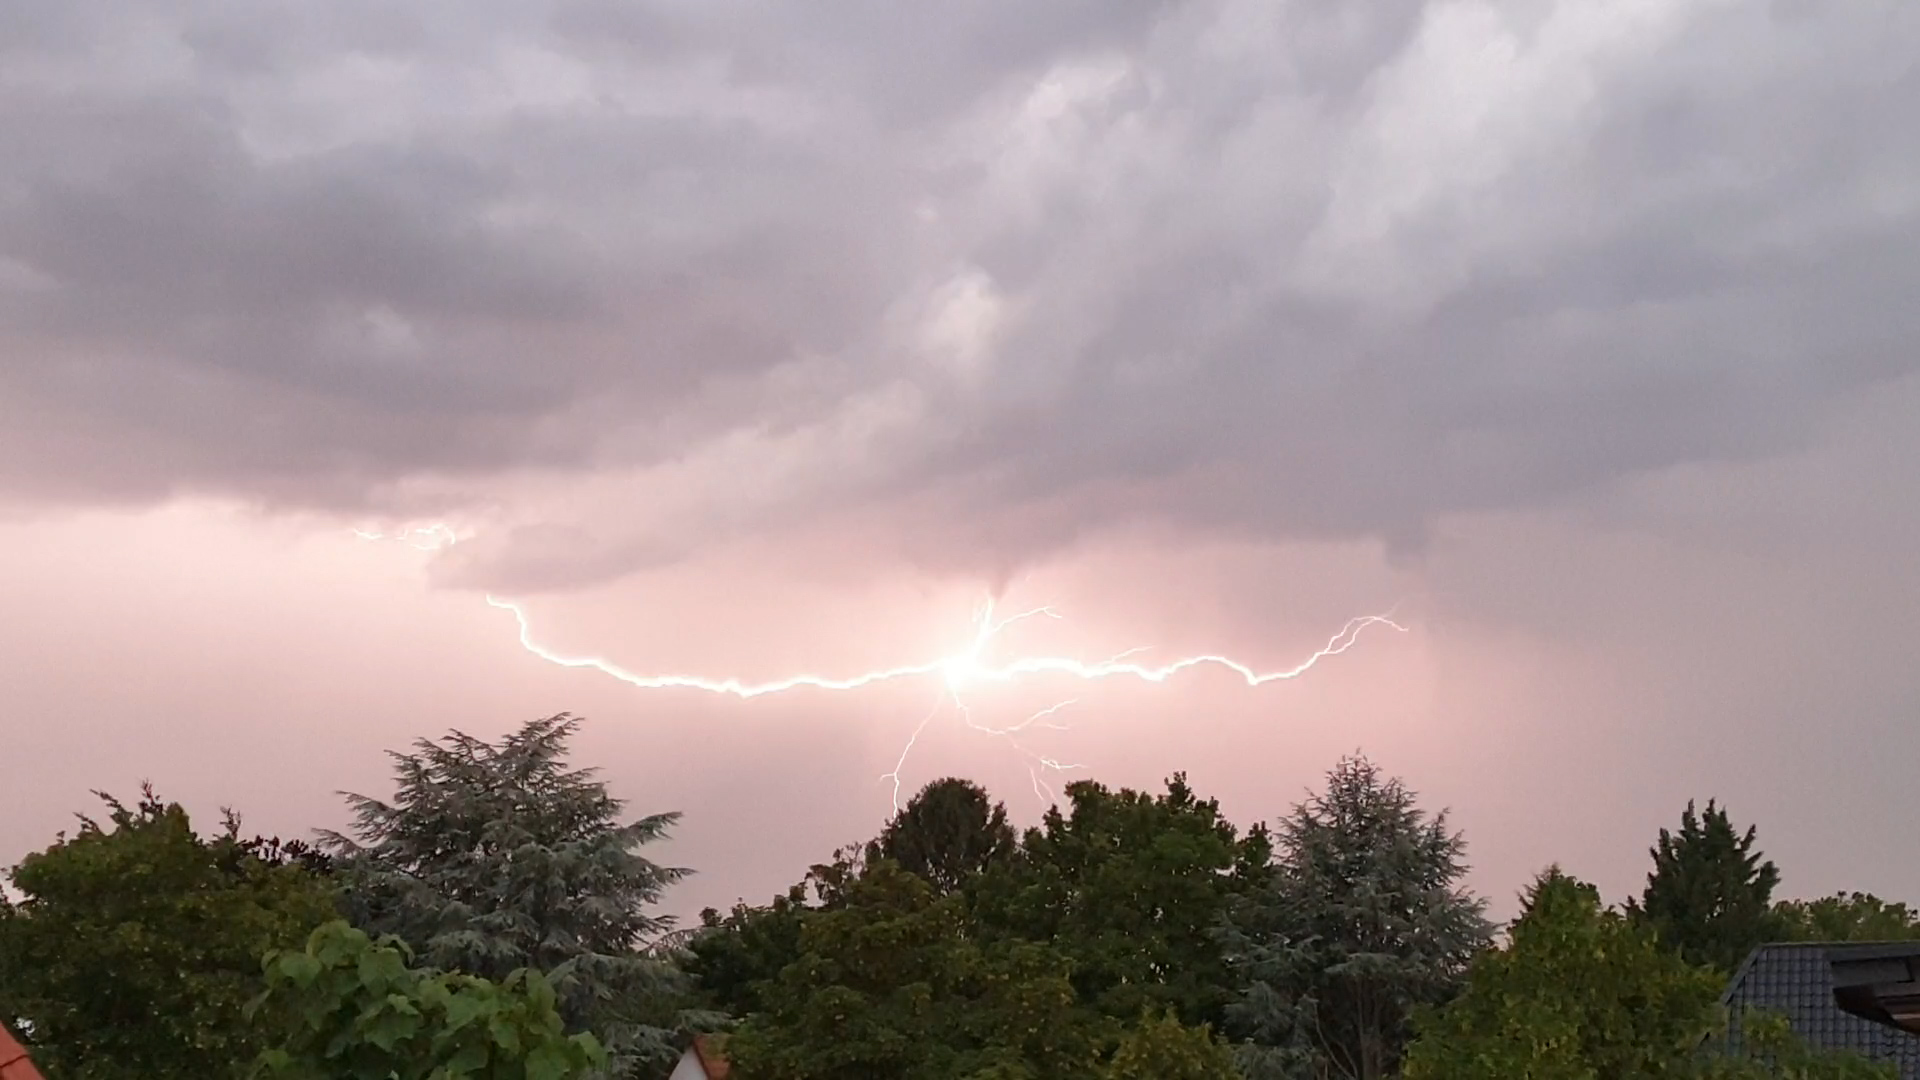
(493, 858)
(1363, 919)
(1710, 895)
(947, 833)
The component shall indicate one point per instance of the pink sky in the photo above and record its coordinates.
(745, 339)
(1568, 679)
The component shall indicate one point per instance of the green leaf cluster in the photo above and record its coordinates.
(977, 955)
(1852, 916)
(1578, 993)
(1162, 1048)
(895, 981)
(136, 944)
(1131, 887)
(1582, 992)
(354, 1008)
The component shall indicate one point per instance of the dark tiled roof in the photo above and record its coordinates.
(14, 1064)
(1797, 980)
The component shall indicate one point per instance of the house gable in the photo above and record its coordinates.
(1796, 980)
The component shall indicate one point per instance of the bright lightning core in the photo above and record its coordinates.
(964, 670)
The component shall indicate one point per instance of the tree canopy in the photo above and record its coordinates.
(1710, 894)
(1162, 1048)
(893, 982)
(349, 1008)
(494, 857)
(1131, 886)
(948, 833)
(1580, 992)
(502, 922)
(1362, 919)
(1853, 916)
(136, 944)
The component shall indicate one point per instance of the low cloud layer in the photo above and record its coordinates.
(610, 281)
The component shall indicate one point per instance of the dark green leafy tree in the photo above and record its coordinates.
(1162, 1048)
(347, 1008)
(895, 981)
(1710, 895)
(948, 833)
(136, 945)
(1363, 919)
(1130, 887)
(1847, 917)
(492, 858)
(734, 957)
(1578, 993)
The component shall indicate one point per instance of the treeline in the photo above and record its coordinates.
(494, 917)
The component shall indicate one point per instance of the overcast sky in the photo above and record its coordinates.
(743, 339)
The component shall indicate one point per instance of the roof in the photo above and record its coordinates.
(1880, 983)
(14, 1063)
(1796, 980)
(707, 1049)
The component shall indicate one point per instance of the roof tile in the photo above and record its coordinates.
(1797, 981)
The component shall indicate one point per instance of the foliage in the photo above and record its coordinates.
(733, 958)
(1162, 1048)
(355, 1009)
(1710, 893)
(1847, 917)
(136, 945)
(1362, 919)
(947, 834)
(1579, 992)
(1130, 886)
(1774, 1052)
(894, 981)
(1584, 993)
(492, 858)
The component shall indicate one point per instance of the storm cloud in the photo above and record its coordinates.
(614, 281)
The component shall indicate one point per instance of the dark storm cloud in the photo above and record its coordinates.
(638, 276)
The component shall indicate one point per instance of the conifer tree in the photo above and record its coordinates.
(492, 858)
(1363, 919)
(1710, 895)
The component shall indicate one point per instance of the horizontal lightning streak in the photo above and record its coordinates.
(960, 668)
(958, 671)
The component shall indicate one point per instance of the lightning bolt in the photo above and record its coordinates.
(958, 672)
(964, 669)
(421, 537)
